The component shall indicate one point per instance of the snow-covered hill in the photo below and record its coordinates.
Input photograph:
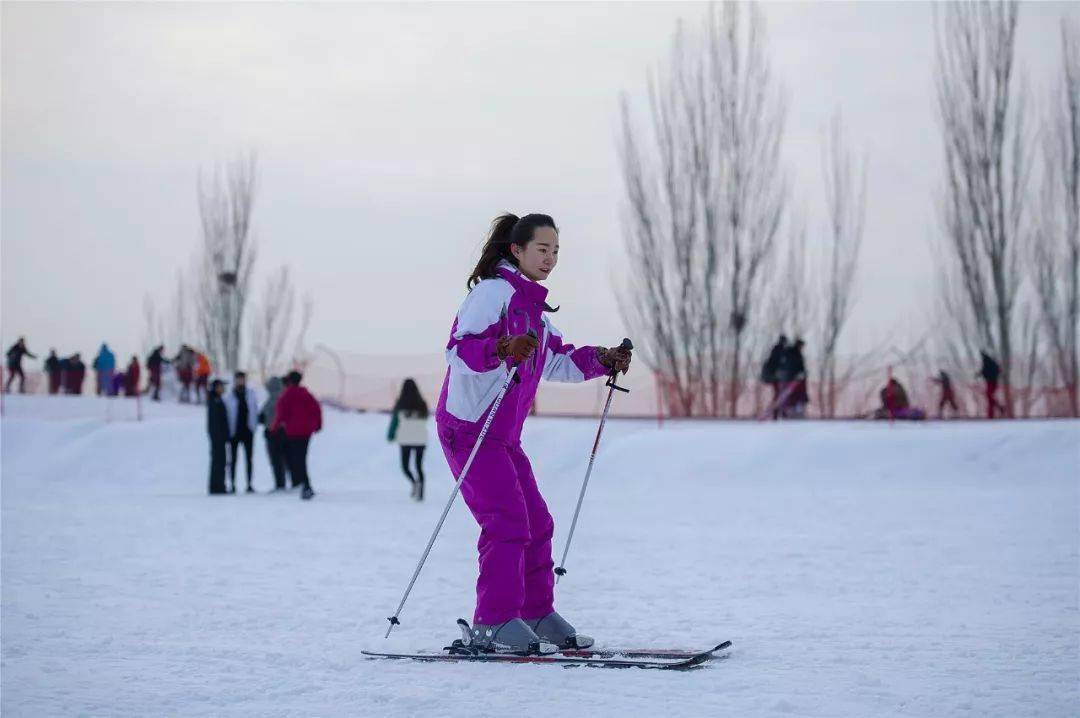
(861, 569)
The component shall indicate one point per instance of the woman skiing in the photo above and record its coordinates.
(408, 427)
(501, 324)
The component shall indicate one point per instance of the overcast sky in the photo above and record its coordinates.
(388, 136)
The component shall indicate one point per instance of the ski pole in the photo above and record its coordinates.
(453, 495)
(560, 571)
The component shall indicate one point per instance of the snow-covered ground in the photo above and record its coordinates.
(861, 569)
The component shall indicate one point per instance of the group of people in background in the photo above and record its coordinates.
(290, 416)
(67, 374)
(785, 371)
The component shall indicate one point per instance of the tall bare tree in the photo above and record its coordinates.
(845, 197)
(1056, 245)
(706, 200)
(153, 327)
(987, 162)
(226, 201)
(271, 321)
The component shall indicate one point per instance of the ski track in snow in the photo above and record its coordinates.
(861, 569)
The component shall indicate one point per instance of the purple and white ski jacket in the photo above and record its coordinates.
(505, 306)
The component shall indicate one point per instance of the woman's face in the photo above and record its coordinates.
(538, 258)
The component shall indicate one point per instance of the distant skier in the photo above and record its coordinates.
(275, 440)
(15, 356)
(948, 397)
(991, 372)
(52, 371)
(772, 373)
(408, 427)
(299, 415)
(104, 366)
(217, 429)
(243, 411)
(154, 363)
(501, 323)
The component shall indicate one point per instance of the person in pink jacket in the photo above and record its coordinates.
(503, 321)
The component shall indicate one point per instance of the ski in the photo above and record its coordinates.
(670, 660)
(658, 653)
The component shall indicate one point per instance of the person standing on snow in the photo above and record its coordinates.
(76, 374)
(299, 416)
(104, 366)
(131, 377)
(991, 372)
(243, 411)
(771, 373)
(948, 398)
(217, 428)
(15, 356)
(795, 366)
(202, 375)
(502, 323)
(153, 365)
(52, 370)
(275, 440)
(184, 363)
(408, 427)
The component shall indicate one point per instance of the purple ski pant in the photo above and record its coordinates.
(517, 579)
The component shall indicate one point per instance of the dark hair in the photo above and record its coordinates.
(506, 229)
(410, 400)
(240, 375)
(293, 378)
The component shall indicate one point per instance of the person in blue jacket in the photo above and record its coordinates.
(105, 365)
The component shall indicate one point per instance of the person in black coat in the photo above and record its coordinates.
(52, 369)
(154, 364)
(772, 372)
(217, 427)
(795, 369)
(15, 356)
(991, 372)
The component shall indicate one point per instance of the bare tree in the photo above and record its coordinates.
(180, 313)
(987, 166)
(301, 355)
(845, 197)
(153, 327)
(1056, 245)
(706, 203)
(271, 321)
(228, 254)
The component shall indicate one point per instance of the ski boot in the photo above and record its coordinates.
(306, 493)
(553, 628)
(513, 636)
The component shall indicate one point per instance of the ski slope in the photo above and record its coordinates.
(861, 569)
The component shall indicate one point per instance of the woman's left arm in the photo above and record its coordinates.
(567, 363)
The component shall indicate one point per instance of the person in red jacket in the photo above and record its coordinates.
(299, 415)
(131, 377)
